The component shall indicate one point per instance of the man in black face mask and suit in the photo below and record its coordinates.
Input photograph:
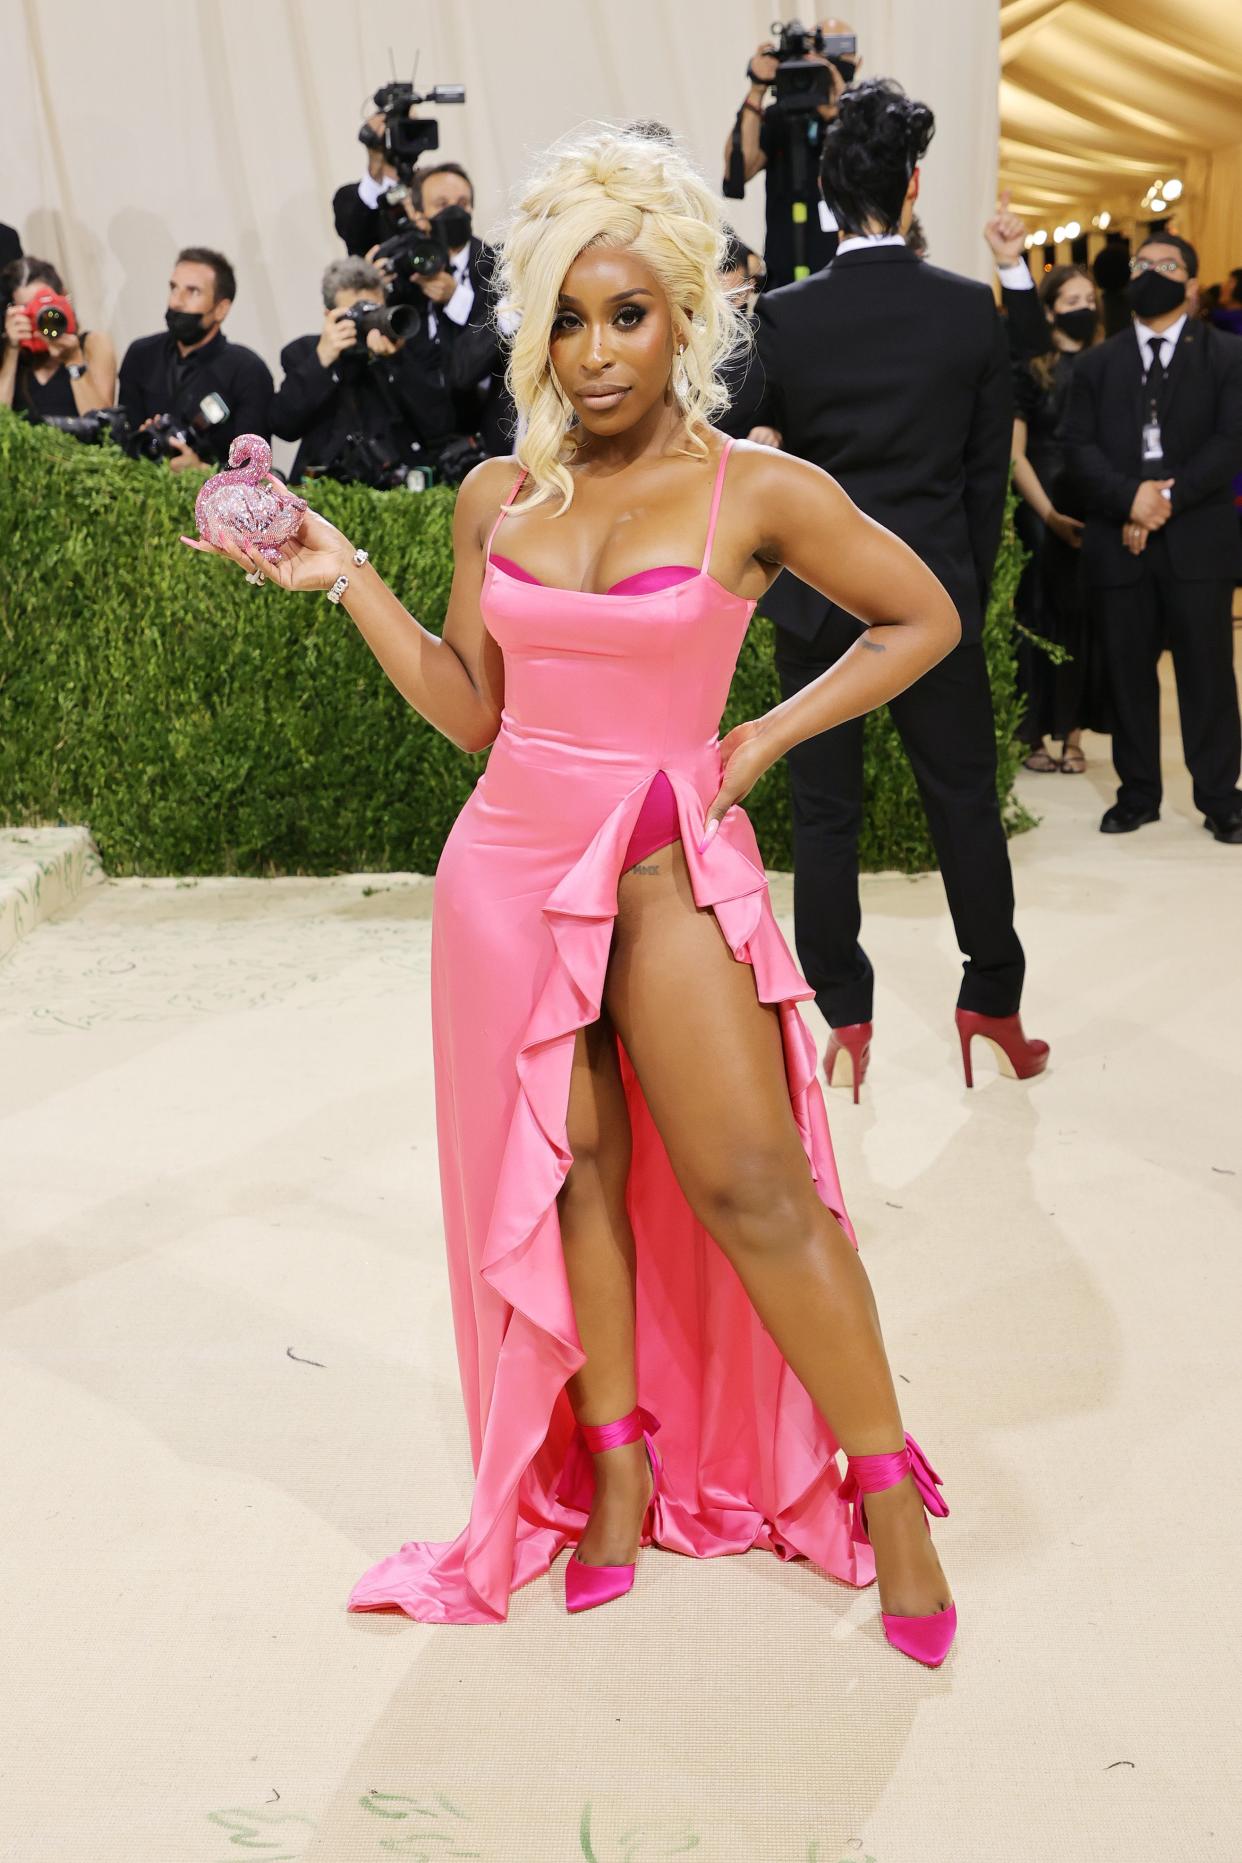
(459, 303)
(1153, 435)
(172, 372)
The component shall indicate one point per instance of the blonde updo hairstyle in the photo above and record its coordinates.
(611, 187)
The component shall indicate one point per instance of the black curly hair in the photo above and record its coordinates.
(871, 149)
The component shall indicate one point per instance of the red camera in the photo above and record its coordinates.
(50, 315)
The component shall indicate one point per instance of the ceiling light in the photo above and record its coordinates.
(1158, 206)
(1105, 219)
(1072, 229)
(1041, 238)
(1059, 235)
(1172, 190)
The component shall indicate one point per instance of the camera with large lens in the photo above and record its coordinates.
(94, 428)
(405, 139)
(364, 459)
(161, 438)
(802, 84)
(395, 321)
(414, 252)
(51, 315)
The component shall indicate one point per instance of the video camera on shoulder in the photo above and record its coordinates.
(406, 139)
(801, 83)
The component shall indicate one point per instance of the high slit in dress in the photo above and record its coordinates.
(607, 748)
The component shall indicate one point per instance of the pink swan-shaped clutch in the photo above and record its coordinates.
(248, 502)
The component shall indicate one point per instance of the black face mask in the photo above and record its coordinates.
(1077, 325)
(186, 326)
(453, 226)
(1154, 294)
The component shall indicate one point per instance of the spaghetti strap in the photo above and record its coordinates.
(517, 486)
(711, 521)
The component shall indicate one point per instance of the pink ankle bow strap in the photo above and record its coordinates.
(576, 1486)
(871, 1474)
(601, 1436)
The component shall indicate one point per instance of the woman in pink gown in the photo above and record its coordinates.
(644, 1226)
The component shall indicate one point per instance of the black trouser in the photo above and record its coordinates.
(1194, 620)
(945, 723)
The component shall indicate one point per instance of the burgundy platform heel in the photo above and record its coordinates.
(1016, 1056)
(847, 1055)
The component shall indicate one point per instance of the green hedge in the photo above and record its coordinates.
(198, 728)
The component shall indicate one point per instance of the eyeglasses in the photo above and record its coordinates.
(1167, 266)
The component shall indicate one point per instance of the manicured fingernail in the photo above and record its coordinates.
(711, 829)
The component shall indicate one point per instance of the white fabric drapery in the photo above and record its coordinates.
(130, 130)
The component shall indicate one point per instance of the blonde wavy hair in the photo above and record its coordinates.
(611, 186)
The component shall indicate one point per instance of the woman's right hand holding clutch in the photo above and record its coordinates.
(311, 560)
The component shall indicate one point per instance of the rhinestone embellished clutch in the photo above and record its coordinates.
(246, 501)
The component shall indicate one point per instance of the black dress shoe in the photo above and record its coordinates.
(1226, 827)
(1119, 820)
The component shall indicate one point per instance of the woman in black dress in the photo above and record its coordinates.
(1062, 696)
(73, 375)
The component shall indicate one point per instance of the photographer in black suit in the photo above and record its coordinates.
(1153, 437)
(363, 401)
(894, 376)
(458, 298)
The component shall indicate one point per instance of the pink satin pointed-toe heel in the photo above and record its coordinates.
(589, 1585)
(926, 1638)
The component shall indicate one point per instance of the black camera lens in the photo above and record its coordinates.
(395, 321)
(51, 321)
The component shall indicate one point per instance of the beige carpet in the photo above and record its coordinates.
(229, 1386)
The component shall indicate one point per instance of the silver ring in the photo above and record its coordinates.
(257, 577)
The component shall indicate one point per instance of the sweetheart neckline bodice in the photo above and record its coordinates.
(600, 595)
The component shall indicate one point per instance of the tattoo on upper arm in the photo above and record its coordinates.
(872, 646)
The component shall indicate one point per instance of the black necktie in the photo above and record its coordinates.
(1155, 368)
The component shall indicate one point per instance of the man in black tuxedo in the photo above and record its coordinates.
(895, 377)
(460, 304)
(1153, 435)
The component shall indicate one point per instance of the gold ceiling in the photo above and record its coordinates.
(1099, 98)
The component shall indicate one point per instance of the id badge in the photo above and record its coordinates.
(1153, 447)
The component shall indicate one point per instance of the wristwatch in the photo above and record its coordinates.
(339, 587)
(75, 370)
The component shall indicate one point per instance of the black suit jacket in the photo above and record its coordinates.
(400, 399)
(895, 377)
(475, 350)
(1200, 412)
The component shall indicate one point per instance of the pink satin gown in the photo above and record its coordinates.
(608, 747)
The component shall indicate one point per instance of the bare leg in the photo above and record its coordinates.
(709, 1058)
(598, 1244)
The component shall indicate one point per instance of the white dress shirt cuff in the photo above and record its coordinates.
(369, 190)
(1016, 277)
(459, 305)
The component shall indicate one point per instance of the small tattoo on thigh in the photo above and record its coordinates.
(640, 868)
(872, 646)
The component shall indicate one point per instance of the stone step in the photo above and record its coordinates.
(42, 870)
